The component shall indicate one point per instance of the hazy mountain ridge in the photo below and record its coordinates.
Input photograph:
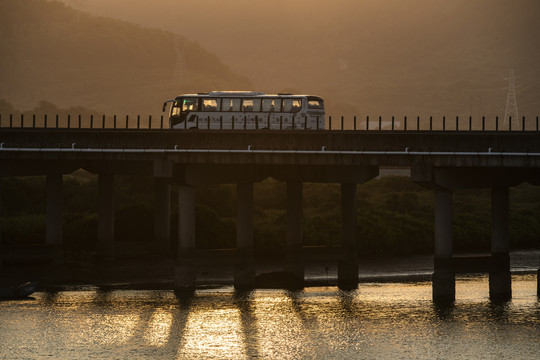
(52, 52)
(414, 57)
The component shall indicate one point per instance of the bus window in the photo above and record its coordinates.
(291, 105)
(231, 105)
(315, 104)
(251, 105)
(271, 105)
(210, 104)
(190, 105)
(176, 108)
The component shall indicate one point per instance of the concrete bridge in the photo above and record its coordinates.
(441, 160)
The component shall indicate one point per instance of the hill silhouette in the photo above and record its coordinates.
(392, 57)
(70, 58)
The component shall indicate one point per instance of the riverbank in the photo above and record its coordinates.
(158, 273)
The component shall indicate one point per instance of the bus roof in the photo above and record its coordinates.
(247, 94)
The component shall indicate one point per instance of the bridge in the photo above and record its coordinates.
(441, 160)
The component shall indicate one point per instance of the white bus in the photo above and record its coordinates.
(246, 110)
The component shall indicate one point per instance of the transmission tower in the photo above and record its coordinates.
(180, 71)
(511, 103)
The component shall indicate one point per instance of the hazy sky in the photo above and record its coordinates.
(370, 56)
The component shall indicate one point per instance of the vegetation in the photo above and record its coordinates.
(395, 216)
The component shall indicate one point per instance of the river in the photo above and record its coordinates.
(378, 321)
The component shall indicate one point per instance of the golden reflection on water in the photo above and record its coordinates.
(159, 327)
(108, 329)
(216, 333)
(379, 320)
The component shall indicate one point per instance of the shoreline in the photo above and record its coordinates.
(158, 273)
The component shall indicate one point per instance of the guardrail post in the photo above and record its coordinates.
(103, 123)
(114, 127)
(342, 123)
(354, 123)
(509, 123)
(34, 121)
(457, 123)
(329, 123)
(317, 127)
(393, 121)
(431, 123)
(69, 121)
(45, 121)
(245, 122)
(380, 122)
(80, 122)
(149, 122)
(281, 122)
(523, 123)
(220, 122)
(537, 123)
(91, 121)
(405, 123)
(10, 121)
(305, 122)
(418, 123)
(293, 122)
(22, 120)
(127, 121)
(470, 123)
(138, 121)
(483, 123)
(232, 124)
(444, 123)
(367, 122)
(57, 121)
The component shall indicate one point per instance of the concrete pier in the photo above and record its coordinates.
(499, 275)
(185, 274)
(244, 270)
(348, 263)
(53, 232)
(293, 258)
(105, 244)
(444, 280)
(162, 222)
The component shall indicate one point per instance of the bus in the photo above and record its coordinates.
(246, 110)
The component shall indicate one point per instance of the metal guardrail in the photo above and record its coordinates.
(22, 121)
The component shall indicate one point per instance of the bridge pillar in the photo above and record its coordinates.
(0, 225)
(185, 275)
(500, 287)
(162, 222)
(293, 258)
(348, 263)
(444, 279)
(53, 232)
(105, 245)
(244, 270)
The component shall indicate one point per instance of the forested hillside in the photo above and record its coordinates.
(51, 52)
(377, 57)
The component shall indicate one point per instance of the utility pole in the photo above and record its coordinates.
(511, 103)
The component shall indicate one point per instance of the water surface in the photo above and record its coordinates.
(379, 320)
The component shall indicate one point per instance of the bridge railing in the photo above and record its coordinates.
(340, 123)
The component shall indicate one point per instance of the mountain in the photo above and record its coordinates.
(389, 57)
(70, 58)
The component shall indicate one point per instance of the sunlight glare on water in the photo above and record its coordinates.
(379, 320)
